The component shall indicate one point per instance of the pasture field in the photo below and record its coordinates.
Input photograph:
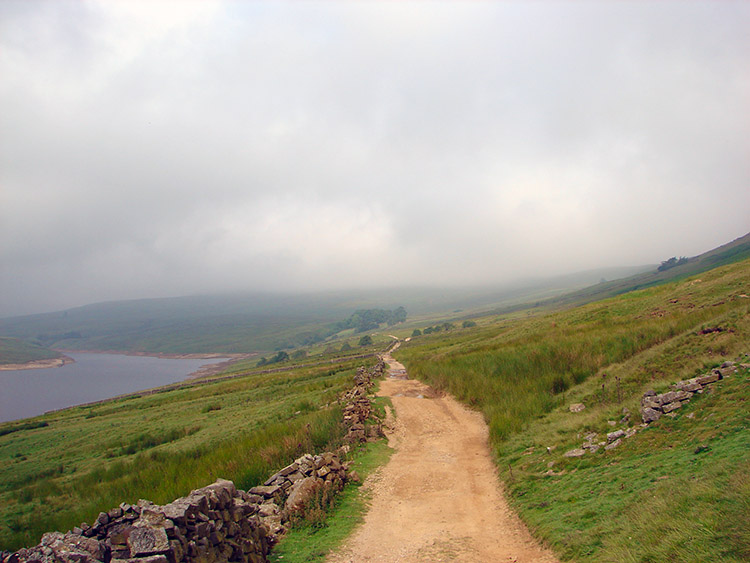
(62, 468)
(676, 489)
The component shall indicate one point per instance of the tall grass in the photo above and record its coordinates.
(658, 496)
(84, 460)
(517, 371)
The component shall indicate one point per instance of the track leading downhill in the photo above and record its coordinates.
(438, 498)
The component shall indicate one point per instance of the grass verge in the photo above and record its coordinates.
(307, 544)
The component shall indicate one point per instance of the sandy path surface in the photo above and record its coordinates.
(438, 498)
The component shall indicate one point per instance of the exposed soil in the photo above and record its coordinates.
(438, 498)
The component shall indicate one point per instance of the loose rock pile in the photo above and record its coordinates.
(654, 406)
(217, 523)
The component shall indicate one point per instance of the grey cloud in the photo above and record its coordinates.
(160, 149)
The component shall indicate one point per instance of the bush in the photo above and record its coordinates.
(365, 341)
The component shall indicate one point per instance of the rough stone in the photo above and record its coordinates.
(616, 435)
(710, 378)
(671, 407)
(650, 415)
(613, 444)
(148, 541)
(577, 407)
(578, 452)
(301, 492)
(265, 492)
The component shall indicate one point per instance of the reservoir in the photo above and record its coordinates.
(93, 377)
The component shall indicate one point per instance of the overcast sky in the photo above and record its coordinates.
(152, 149)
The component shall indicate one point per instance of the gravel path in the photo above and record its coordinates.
(438, 498)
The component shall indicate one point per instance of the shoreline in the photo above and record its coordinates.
(204, 370)
(39, 364)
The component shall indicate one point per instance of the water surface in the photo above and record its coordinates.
(31, 392)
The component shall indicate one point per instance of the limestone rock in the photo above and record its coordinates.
(613, 444)
(650, 415)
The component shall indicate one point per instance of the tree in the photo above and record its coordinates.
(280, 356)
(416, 332)
(346, 347)
(366, 340)
(468, 324)
(672, 262)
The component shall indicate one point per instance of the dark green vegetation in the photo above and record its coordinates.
(15, 351)
(251, 323)
(60, 469)
(676, 491)
(365, 320)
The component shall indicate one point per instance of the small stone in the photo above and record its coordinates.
(710, 378)
(577, 407)
(613, 444)
(650, 415)
(671, 407)
(612, 423)
(616, 435)
(268, 509)
(266, 492)
(578, 452)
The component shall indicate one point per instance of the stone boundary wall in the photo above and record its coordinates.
(653, 407)
(217, 523)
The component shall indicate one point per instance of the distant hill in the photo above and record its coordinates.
(260, 322)
(735, 251)
(265, 322)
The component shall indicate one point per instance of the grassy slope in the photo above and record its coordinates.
(63, 468)
(735, 251)
(523, 372)
(15, 351)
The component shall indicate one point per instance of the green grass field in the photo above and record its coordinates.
(523, 371)
(677, 491)
(62, 468)
(15, 351)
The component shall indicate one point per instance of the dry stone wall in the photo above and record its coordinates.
(653, 407)
(217, 523)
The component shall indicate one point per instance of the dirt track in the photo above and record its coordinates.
(438, 498)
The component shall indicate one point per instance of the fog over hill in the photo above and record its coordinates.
(157, 149)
